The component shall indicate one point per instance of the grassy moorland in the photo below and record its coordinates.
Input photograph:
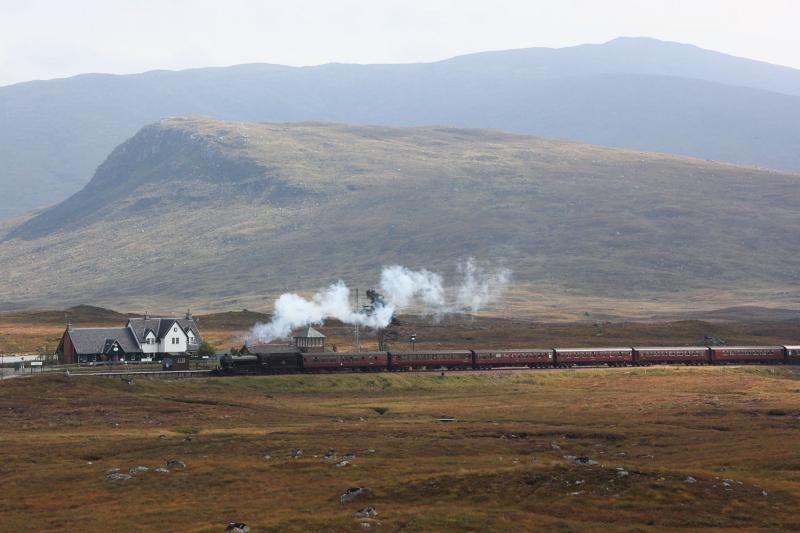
(676, 448)
(264, 208)
(40, 331)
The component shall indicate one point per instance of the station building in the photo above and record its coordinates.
(142, 339)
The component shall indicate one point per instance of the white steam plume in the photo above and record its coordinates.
(400, 287)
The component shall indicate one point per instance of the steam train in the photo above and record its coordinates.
(296, 362)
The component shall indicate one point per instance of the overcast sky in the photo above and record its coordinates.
(42, 39)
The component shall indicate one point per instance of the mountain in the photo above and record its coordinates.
(211, 214)
(631, 92)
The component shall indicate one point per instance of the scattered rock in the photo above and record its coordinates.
(764, 493)
(330, 454)
(349, 456)
(352, 493)
(366, 512)
(575, 493)
(267, 457)
(583, 461)
(365, 525)
(580, 482)
(371, 450)
(162, 437)
(138, 470)
(238, 527)
(555, 446)
(690, 479)
(161, 471)
(116, 476)
(112, 471)
(621, 472)
(174, 464)
(341, 464)
(296, 453)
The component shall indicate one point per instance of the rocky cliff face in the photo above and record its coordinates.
(164, 166)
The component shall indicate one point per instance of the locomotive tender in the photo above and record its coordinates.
(294, 361)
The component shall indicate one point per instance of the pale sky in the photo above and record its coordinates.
(43, 39)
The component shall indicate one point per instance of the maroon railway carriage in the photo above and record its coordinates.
(525, 357)
(792, 354)
(594, 356)
(746, 354)
(665, 355)
(345, 360)
(433, 359)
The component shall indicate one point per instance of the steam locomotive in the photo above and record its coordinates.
(284, 361)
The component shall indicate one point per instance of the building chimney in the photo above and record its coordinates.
(188, 314)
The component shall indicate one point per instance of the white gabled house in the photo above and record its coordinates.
(141, 339)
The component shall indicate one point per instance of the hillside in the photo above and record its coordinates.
(635, 93)
(210, 215)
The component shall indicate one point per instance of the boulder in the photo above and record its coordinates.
(138, 470)
(237, 527)
(366, 512)
(582, 460)
(117, 476)
(352, 493)
(174, 464)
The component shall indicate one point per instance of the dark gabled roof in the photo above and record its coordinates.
(166, 323)
(97, 340)
(189, 324)
(160, 327)
(109, 345)
(307, 333)
(141, 325)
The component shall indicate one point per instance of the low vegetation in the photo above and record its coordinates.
(261, 208)
(40, 331)
(593, 449)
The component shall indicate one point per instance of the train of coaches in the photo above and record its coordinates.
(277, 362)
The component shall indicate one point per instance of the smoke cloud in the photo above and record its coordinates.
(401, 288)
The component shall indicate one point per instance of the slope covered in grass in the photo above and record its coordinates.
(215, 214)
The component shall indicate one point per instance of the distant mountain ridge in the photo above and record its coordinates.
(224, 215)
(631, 92)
